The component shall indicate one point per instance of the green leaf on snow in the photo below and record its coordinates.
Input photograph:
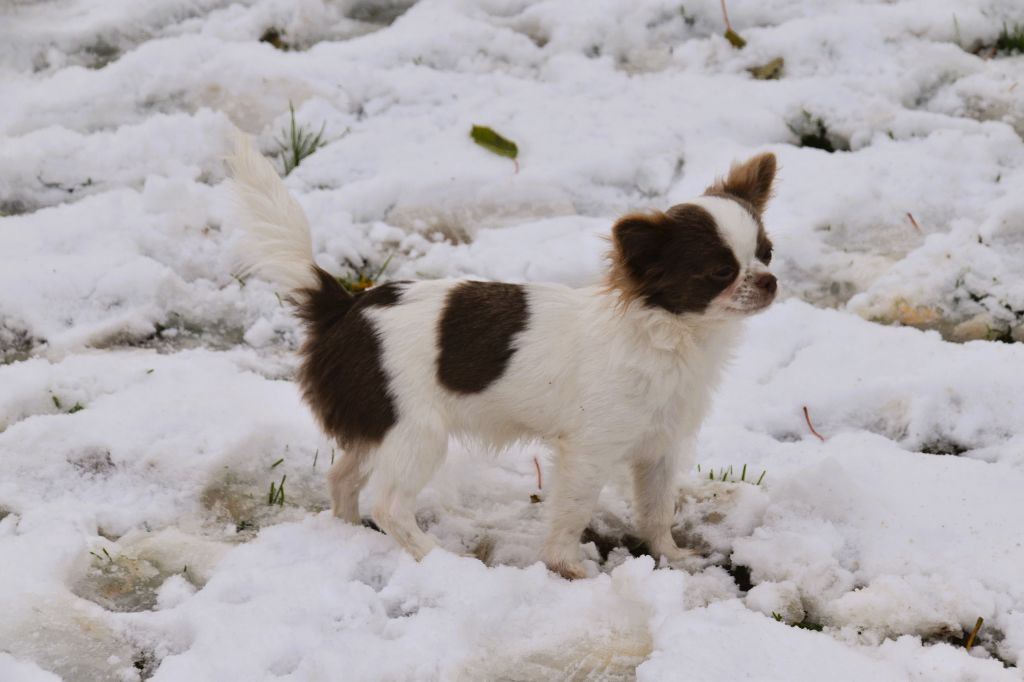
(493, 142)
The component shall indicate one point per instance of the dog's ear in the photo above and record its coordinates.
(639, 242)
(750, 181)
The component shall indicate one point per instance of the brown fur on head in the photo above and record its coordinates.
(750, 181)
(684, 259)
(674, 260)
(619, 280)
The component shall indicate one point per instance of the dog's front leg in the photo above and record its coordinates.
(655, 491)
(579, 476)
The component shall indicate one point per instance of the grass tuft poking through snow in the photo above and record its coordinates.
(727, 475)
(275, 37)
(1011, 40)
(77, 407)
(276, 495)
(299, 142)
(365, 277)
(811, 131)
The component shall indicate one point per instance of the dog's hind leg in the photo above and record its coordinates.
(346, 478)
(405, 462)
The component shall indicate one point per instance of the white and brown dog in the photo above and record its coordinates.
(620, 372)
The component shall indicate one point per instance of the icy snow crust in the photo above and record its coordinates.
(145, 393)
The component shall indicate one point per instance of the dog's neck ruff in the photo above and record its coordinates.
(665, 331)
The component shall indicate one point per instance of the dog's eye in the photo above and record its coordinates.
(765, 255)
(724, 272)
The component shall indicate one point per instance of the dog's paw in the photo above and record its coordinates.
(570, 570)
(691, 563)
(679, 557)
(672, 552)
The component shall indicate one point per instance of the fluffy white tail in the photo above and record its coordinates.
(277, 242)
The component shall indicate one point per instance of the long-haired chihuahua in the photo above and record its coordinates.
(619, 372)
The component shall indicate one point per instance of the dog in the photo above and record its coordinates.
(619, 372)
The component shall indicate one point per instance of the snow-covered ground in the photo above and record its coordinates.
(146, 404)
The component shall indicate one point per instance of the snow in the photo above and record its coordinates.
(146, 395)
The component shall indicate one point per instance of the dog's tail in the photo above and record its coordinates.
(277, 243)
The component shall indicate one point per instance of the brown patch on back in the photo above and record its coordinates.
(476, 333)
(676, 260)
(342, 375)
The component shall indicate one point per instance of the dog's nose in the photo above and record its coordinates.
(766, 282)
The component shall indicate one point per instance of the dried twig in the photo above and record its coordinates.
(725, 15)
(807, 416)
(914, 223)
(974, 633)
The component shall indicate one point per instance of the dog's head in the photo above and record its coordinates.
(709, 256)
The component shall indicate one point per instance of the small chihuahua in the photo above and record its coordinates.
(619, 372)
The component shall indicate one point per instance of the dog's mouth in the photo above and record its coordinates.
(751, 308)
